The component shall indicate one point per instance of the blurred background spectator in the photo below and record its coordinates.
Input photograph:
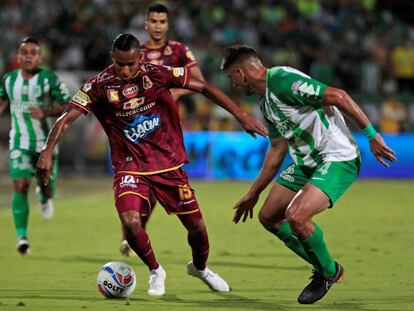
(352, 44)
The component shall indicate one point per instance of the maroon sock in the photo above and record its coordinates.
(141, 245)
(198, 241)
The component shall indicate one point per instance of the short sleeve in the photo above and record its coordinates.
(59, 91)
(188, 59)
(293, 87)
(174, 77)
(84, 98)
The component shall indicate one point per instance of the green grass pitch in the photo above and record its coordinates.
(370, 231)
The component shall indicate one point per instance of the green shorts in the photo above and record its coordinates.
(333, 178)
(22, 164)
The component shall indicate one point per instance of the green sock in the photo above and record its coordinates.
(291, 241)
(20, 209)
(317, 250)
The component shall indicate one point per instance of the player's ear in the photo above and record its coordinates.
(241, 74)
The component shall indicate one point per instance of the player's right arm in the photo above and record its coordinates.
(62, 124)
(271, 165)
(3, 97)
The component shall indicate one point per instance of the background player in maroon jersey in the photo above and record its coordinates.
(133, 103)
(159, 50)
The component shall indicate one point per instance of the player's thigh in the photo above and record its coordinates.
(174, 192)
(275, 205)
(309, 201)
(21, 164)
(131, 194)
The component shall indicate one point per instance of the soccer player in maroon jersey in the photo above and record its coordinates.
(133, 103)
(161, 51)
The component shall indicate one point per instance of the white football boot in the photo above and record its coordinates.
(157, 282)
(124, 248)
(46, 209)
(213, 280)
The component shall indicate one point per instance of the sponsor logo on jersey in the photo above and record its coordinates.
(133, 112)
(190, 55)
(146, 82)
(113, 95)
(141, 127)
(15, 154)
(153, 55)
(305, 88)
(134, 103)
(87, 87)
(81, 98)
(167, 50)
(130, 91)
(128, 181)
(285, 126)
(178, 72)
(286, 174)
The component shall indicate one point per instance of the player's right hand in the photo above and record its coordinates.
(252, 126)
(245, 207)
(44, 167)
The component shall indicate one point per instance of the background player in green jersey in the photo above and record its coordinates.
(34, 95)
(304, 117)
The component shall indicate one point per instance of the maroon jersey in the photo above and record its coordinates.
(173, 53)
(139, 117)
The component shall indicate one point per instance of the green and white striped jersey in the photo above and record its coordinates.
(43, 90)
(293, 109)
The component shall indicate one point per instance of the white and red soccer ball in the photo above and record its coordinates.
(116, 280)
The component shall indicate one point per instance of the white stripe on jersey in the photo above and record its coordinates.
(24, 133)
(37, 124)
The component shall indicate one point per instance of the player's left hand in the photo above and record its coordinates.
(37, 113)
(381, 151)
(245, 207)
(252, 126)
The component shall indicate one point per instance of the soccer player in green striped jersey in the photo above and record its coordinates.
(34, 94)
(304, 117)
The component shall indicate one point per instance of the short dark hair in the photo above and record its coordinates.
(237, 53)
(125, 42)
(158, 8)
(29, 40)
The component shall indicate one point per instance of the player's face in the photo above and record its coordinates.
(126, 63)
(28, 56)
(157, 25)
(238, 79)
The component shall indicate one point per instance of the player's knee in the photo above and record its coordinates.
(295, 218)
(21, 186)
(131, 220)
(265, 220)
(197, 228)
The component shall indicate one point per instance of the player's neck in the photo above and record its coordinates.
(29, 74)
(260, 80)
(156, 44)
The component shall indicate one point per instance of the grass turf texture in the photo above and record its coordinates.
(369, 231)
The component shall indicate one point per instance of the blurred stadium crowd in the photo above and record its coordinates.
(363, 46)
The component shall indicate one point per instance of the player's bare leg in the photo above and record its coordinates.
(272, 217)
(44, 194)
(139, 241)
(198, 240)
(124, 248)
(308, 202)
(20, 209)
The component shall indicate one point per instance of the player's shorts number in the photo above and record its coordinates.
(185, 192)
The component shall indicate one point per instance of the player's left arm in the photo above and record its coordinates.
(341, 99)
(249, 123)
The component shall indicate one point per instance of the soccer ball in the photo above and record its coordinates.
(116, 280)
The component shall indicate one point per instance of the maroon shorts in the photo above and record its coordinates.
(171, 189)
